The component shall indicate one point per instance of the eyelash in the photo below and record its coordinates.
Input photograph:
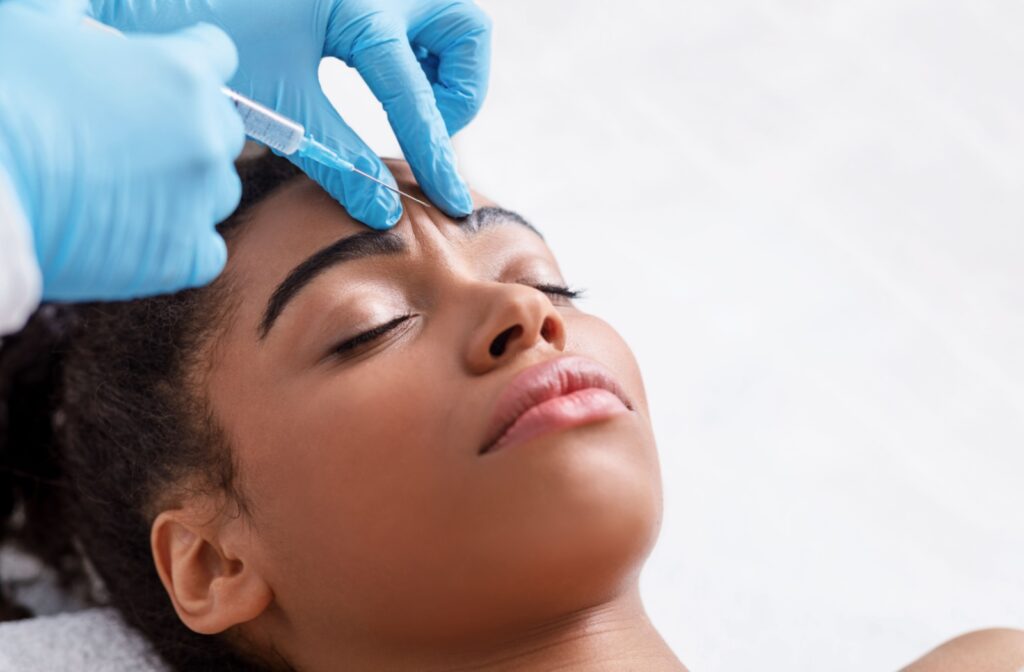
(557, 290)
(373, 334)
(370, 335)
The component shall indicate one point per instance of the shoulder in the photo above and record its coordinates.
(991, 650)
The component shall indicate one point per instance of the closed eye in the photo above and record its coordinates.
(557, 291)
(359, 341)
(367, 337)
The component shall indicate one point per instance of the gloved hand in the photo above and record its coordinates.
(121, 150)
(425, 60)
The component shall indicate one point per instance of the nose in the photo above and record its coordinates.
(516, 318)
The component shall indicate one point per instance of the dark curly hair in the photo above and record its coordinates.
(102, 421)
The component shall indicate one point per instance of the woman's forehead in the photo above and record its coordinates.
(299, 217)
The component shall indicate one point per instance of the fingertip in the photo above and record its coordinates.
(444, 186)
(396, 216)
(380, 219)
(463, 200)
(228, 192)
(371, 203)
(458, 207)
(363, 199)
(381, 212)
(210, 258)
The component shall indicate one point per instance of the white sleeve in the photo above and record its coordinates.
(21, 283)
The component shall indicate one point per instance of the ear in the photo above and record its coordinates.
(205, 572)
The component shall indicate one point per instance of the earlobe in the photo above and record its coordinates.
(211, 586)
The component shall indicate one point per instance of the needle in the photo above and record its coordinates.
(388, 186)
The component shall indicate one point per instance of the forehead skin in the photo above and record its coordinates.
(271, 242)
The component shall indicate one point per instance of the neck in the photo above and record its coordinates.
(610, 637)
(613, 636)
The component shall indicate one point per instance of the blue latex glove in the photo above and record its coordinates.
(425, 60)
(121, 150)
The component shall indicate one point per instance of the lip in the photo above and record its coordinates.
(555, 394)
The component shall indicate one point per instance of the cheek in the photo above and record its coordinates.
(351, 439)
(353, 468)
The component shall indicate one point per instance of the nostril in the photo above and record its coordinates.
(549, 330)
(500, 341)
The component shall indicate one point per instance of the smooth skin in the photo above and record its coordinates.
(990, 650)
(376, 537)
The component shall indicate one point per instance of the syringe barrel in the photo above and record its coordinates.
(267, 126)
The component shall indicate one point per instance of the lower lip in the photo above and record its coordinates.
(571, 410)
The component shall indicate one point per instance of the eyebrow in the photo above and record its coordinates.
(363, 245)
(358, 246)
(490, 215)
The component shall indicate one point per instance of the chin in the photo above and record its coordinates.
(583, 512)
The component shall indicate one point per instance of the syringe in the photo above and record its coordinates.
(289, 137)
(279, 132)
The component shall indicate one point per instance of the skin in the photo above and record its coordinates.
(991, 650)
(375, 536)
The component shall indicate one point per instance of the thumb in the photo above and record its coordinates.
(364, 199)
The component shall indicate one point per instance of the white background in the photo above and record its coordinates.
(805, 217)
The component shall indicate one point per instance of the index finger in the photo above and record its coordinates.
(389, 67)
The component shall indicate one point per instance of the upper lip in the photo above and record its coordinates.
(548, 380)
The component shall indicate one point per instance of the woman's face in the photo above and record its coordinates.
(375, 518)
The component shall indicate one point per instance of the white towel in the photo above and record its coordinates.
(96, 640)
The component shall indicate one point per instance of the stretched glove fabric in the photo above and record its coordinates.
(120, 150)
(426, 61)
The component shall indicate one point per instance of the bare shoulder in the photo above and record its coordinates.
(992, 650)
